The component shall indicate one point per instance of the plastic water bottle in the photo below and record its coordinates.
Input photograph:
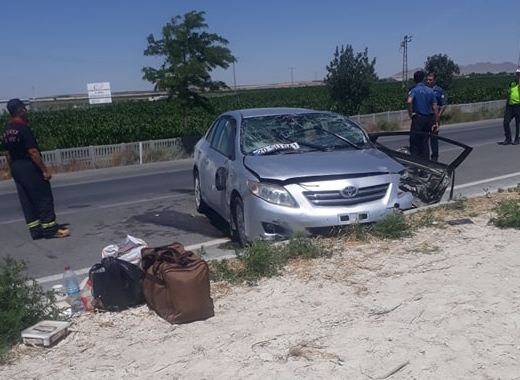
(70, 282)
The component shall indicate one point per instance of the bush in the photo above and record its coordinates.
(507, 214)
(264, 259)
(394, 226)
(23, 302)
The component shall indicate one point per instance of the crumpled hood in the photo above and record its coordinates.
(283, 167)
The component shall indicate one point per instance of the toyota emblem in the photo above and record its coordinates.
(349, 192)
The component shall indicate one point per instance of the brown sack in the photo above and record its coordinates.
(176, 285)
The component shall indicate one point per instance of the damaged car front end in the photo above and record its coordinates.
(427, 180)
(311, 193)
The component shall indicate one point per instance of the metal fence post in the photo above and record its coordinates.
(92, 155)
(58, 157)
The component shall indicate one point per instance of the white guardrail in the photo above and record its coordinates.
(99, 156)
(160, 150)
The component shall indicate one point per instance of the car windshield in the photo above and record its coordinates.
(290, 133)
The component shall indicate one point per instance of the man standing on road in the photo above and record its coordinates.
(512, 111)
(30, 175)
(442, 102)
(422, 109)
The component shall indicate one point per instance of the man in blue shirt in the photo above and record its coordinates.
(442, 102)
(422, 109)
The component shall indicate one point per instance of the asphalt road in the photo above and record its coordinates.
(155, 203)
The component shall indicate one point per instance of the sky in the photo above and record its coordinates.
(56, 47)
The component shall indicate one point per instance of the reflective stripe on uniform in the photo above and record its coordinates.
(33, 224)
(49, 225)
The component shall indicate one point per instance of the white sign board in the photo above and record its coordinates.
(100, 100)
(99, 93)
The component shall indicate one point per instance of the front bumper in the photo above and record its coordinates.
(273, 222)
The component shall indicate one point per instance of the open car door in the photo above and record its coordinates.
(427, 180)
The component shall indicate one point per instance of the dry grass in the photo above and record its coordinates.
(361, 257)
(73, 166)
(482, 206)
(219, 289)
(358, 261)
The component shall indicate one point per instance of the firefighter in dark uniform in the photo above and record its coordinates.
(30, 175)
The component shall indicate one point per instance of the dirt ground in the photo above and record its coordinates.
(442, 304)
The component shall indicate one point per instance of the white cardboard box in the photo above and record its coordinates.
(45, 333)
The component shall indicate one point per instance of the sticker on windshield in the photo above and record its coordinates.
(275, 147)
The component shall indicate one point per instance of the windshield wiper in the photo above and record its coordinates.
(304, 143)
(342, 138)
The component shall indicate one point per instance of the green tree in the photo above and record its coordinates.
(444, 67)
(349, 79)
(190, 55)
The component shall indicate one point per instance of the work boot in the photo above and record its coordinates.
(516, 142)
(505, 142)
(60, 233)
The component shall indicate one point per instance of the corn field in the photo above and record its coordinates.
(142, 120)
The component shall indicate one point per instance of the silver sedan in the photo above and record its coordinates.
(271, 172)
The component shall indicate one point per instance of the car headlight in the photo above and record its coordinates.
(271, 193)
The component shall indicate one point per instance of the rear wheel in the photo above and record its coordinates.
(199, 202)
(239, 228)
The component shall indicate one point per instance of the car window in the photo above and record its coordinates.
(311, 130)
(211, 131)
(222, 139)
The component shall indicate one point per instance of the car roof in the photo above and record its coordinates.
(269, 111)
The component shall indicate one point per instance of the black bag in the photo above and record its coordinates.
(116, 284)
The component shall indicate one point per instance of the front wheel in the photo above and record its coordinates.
(239, 228)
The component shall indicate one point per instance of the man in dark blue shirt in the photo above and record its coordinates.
(422, 109)
(442, 103)
(30, 175)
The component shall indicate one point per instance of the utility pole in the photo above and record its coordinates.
(292, 81)
(234, 78)
(518, 58)
(404, 47)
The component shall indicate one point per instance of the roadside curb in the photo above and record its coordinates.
(210, 249)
